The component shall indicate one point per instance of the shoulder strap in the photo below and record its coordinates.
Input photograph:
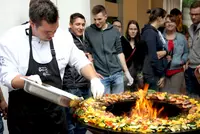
(131, 55)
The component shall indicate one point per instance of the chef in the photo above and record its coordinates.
(39, 51)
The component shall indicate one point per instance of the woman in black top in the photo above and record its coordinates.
(134, 50)
(155, 62)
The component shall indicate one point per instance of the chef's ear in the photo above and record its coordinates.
(31, 23)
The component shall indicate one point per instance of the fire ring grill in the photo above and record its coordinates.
(121, 107)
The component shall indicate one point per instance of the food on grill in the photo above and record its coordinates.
(142, 120)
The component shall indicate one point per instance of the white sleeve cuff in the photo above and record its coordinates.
(7, 81)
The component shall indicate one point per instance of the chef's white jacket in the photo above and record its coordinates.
(15, 49)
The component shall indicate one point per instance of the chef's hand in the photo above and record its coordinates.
(97, 88)
(129, 77)
(35, 78)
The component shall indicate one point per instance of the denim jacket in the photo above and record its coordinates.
(180, 51)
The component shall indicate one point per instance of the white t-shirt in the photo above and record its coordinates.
(15, 49)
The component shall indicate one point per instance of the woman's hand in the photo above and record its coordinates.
(197, 73)
(161, 82)
(169, 58)
(161, 54)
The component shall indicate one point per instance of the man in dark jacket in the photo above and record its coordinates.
(73, 82)
(104, 43)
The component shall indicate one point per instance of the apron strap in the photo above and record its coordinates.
(53, 53)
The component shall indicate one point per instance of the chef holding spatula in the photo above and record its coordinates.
(40, 52)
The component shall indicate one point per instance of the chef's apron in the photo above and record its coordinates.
(28, 114)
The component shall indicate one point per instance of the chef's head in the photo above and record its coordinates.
(44, 17)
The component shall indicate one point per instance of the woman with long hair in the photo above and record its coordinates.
(155, 61)
(134, 51)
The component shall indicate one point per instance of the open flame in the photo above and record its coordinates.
(144, 108)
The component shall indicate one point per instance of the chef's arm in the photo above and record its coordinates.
(88, 72)
(18, 83)
(123, 62)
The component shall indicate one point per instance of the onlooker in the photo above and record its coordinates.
(180, 27)
(125, 46)
(104, 43)
(192, 85)
(177, 56)
(118, 24)
(47, 50)
(155, 61)
(73, 82)
(134, 52)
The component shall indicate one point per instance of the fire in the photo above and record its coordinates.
(144, 108)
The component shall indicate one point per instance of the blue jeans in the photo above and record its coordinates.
(192, 85)
(1, 126)
(114, 83)
(74, 127)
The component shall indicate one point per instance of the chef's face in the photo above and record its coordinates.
(100, 20)
(78, 26)
(44, 31)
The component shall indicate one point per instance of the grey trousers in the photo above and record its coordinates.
(174, 84)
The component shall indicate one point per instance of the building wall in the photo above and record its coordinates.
(156, 3)
(143, 6)
(67, 7)
(112, 9)
(132, 10)
(129, 12)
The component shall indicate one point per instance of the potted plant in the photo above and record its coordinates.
(187, 3)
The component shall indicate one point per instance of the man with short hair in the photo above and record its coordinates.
(192, 84)
(40, 51)
(104, 44)
(117, 24)
(73, 82)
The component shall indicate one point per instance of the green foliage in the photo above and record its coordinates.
(187, 3)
